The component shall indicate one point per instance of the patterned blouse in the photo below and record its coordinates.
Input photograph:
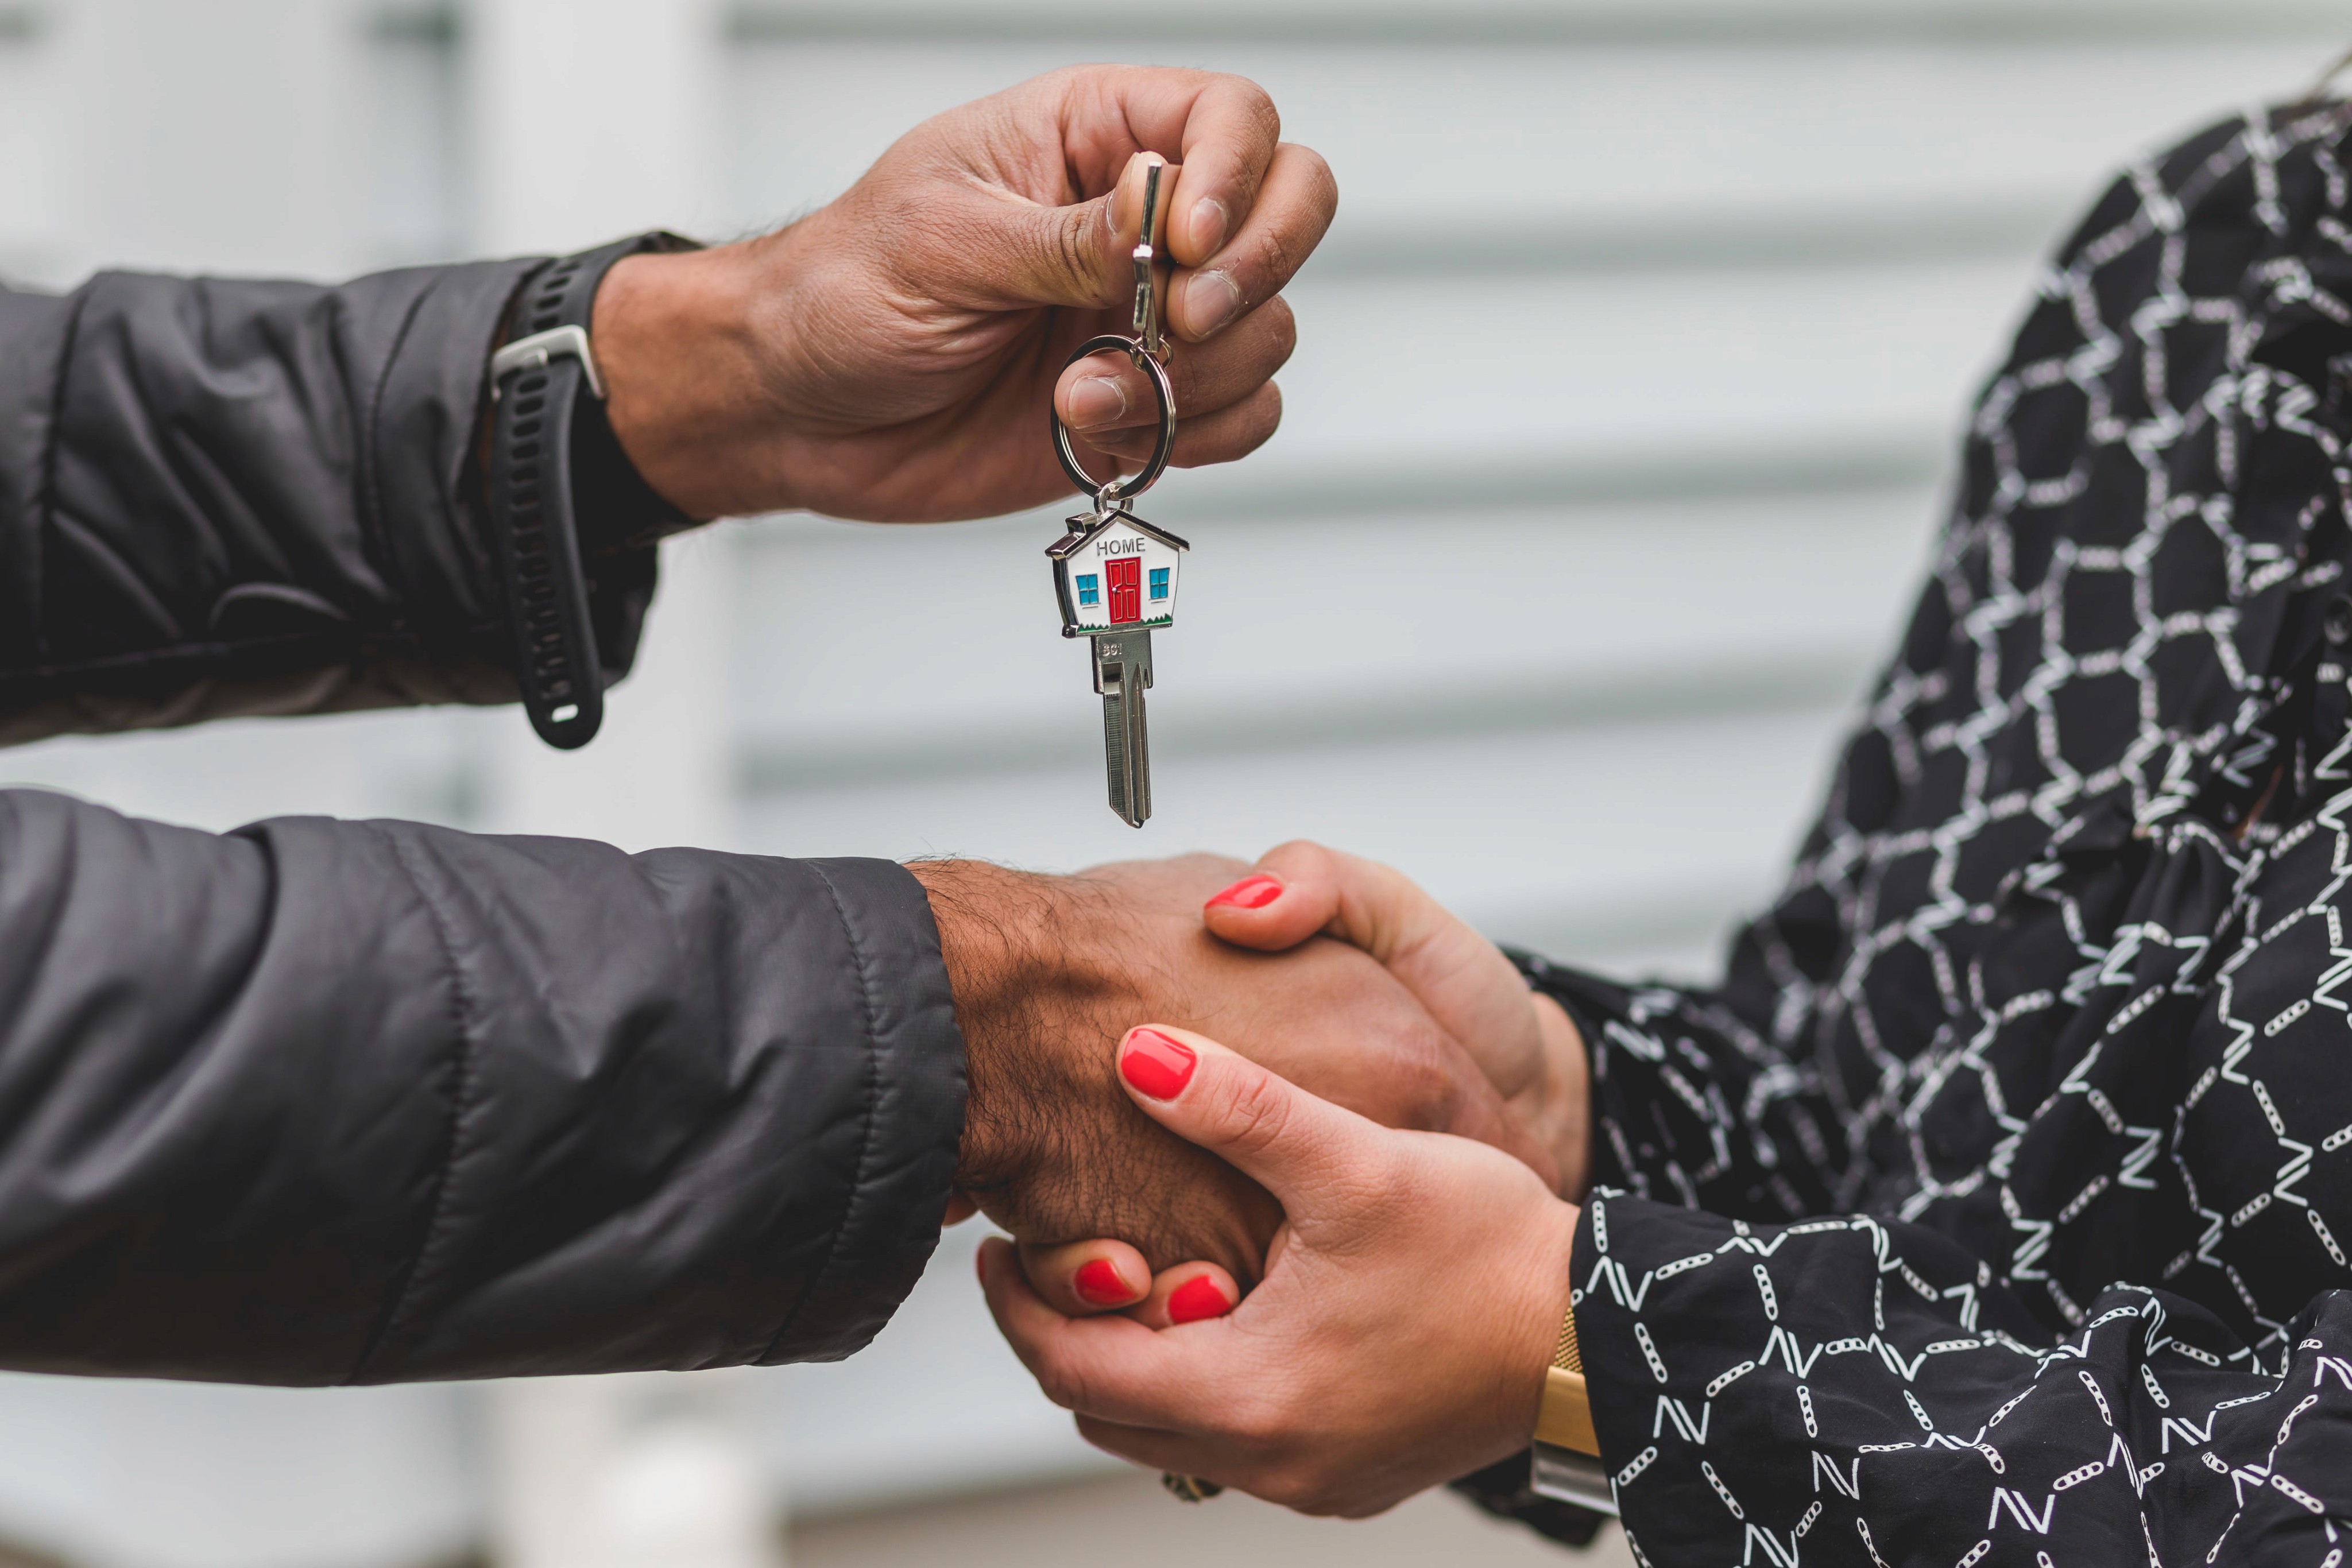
(1994, 1208)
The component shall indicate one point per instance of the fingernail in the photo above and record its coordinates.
(1211, 299)
(1208, 225)
(1095, 401)
(1099, 1284)
(1255, 892)
(1196, 1299)
(1137, 164)
(1155, 1064)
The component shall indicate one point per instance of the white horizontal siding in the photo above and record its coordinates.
(1661, 598)
(1509, 136)
(1686, 820)
(1583, 370)
(1944, 24)
(32, 215)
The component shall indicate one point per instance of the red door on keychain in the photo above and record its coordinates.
(1126, 589)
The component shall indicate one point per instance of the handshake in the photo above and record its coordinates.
(1257, 1131)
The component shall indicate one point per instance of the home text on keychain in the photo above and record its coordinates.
(1115, 574)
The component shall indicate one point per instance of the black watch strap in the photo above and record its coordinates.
(536, 382)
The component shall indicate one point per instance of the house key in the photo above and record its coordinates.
(1115, 574)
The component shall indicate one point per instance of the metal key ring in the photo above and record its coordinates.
(1145, 478)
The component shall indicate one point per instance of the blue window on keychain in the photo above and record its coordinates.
(1089, 589)
(1159, 582)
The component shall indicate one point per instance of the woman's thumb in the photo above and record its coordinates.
(1296, 1146)
(1473, 992)
(1301, 888)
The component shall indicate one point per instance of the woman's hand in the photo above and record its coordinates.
(1399, 1338)
(1521, 1038)
(890, 357)
(1522, 1041)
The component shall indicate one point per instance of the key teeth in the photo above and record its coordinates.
(1133, 806)
(1127, 742)
(1138, 746)
(1115, 757)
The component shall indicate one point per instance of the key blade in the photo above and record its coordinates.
(1123, 673)
(1138, 752)
(1126, 789)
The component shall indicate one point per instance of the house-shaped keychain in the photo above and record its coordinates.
(1116, 573)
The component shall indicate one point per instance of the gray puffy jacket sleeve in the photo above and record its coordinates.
(322, 1101)
(223, 497)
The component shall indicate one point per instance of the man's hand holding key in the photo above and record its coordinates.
(891, 356)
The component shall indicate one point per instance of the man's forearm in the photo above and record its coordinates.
(1016, 975)
(322, 1101)
(226, 496)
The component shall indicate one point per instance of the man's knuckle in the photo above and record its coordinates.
(1259, 105)
(1072, 256)
(1277, 260)
(1322, 183)
(1425, 1088)
(1282, 322)
(1265, 417)
(1254, 430)
(1193, 383)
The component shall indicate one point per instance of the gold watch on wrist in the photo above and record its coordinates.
(1567, 1454)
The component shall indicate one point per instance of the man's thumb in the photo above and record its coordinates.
(1292, 1143)
(1083, 256)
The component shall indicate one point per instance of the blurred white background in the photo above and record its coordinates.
(1625, 393)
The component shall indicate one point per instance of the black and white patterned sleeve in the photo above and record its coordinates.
(1990, 1209)
(1701, 1102)
(1844, 1390)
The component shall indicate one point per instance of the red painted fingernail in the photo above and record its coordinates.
(1099, 1284)
(1155, 1064)
(1254, 892)
(1196, 1299)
